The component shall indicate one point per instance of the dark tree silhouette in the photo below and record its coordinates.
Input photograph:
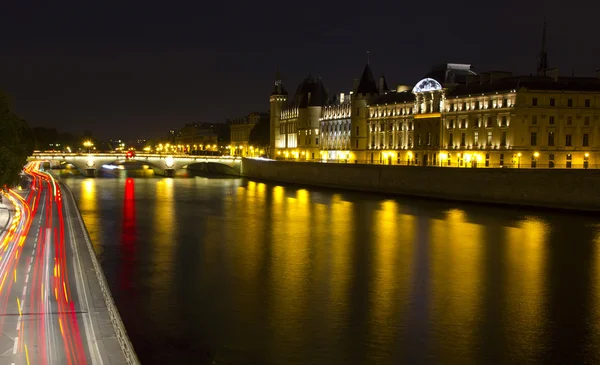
(260, 134)
(16, 144)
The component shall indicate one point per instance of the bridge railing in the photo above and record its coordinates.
(138, 156)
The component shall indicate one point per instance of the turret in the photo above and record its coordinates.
(366, 91)
(277, 100)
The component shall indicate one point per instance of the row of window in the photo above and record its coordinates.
(488, 141)
(477, 123)
(568, 139)
(551, 120)
(479, 105)
(586, 103)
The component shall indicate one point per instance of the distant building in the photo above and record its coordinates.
(451, 117)
(196, 136)
(240, 129)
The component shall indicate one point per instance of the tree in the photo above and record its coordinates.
(260, 135)
(16, 144)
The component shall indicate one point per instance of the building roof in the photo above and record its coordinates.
(451, 73)
(367, 84)
(394, 97)
(310, 92)
(531, 83)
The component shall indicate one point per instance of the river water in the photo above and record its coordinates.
(231, 271)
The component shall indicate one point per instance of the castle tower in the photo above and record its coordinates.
(366, 91)
(542, 67)
(277, 100)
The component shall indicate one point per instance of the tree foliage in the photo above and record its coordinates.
(50, 139)
(260, 135)
(16, 144)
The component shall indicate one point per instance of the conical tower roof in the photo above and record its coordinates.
(367, 84)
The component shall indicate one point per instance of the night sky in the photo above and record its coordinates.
(136, 69)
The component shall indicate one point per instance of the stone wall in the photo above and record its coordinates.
(554, 188)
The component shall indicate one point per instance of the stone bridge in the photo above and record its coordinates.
(167, 165)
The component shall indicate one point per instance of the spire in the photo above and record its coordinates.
(368, 57)
(542, 67)
(383, 87)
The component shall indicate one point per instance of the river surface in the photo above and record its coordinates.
(231, 271)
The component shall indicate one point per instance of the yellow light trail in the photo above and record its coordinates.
(56, 293)
(26, 354)
(15, 274)
(65, 289)
(60, 324)
(19, 306)
(3, 278)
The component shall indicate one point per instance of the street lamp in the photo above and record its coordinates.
(88, 144)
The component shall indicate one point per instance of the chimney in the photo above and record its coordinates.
(355, 87)
(381, 81)
(553, 73)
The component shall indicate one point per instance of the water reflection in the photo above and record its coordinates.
(233, 271)
(525, 288)
(456, 248)
(128, 235)
(161, 273)
(88, 205)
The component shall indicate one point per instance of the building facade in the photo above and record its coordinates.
(196, 137)
(452, 117)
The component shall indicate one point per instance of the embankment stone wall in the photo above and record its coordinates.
(553, 188)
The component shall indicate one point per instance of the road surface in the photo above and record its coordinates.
(44, 305)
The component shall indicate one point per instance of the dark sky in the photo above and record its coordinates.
(129, 69)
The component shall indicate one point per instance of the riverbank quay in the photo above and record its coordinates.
(570, 189)
(111, 335)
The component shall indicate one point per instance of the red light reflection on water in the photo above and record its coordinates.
(128, 234)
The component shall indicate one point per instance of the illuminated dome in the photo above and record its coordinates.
(427, 84)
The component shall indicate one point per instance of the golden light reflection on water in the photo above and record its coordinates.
(456, 249)
(290, 265)
(594, 323)
(88, 205)
(164, 237)
(251, 244)
(383, 299)
(526, 258)
(339, 225)
(393, 265)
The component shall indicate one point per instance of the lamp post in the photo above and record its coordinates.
(519, 160)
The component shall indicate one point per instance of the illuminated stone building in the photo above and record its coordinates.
(492, 120)
(295, 125)
(451, 117)
(240, 133)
